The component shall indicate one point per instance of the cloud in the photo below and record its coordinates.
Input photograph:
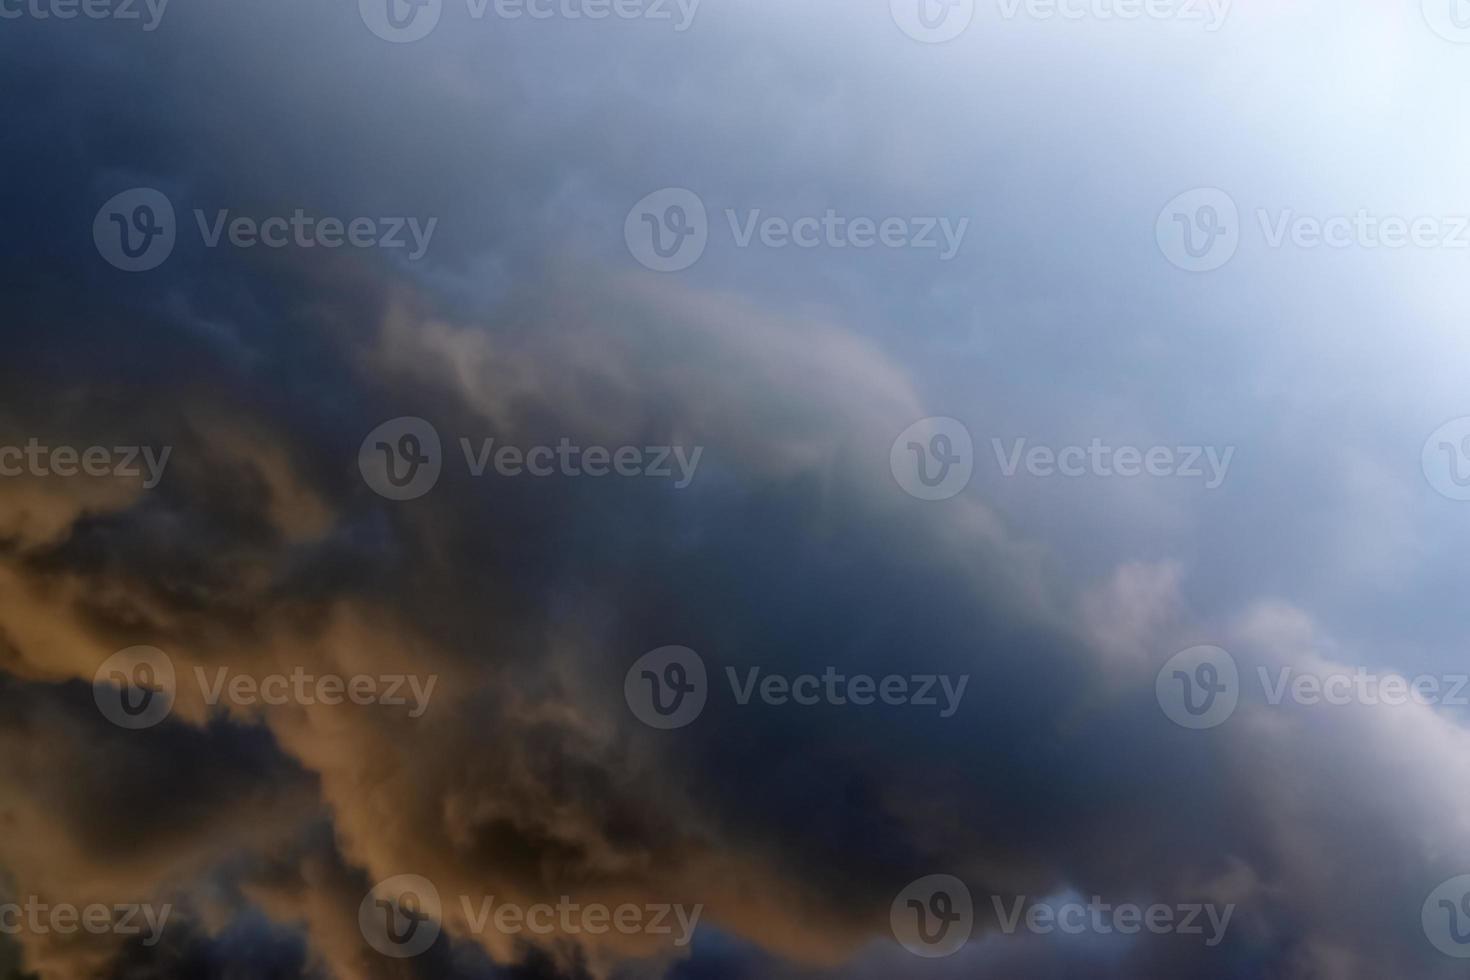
(262, 551)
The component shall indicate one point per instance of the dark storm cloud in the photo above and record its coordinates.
(792, 550)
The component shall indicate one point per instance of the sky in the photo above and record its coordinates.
(633, 489)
